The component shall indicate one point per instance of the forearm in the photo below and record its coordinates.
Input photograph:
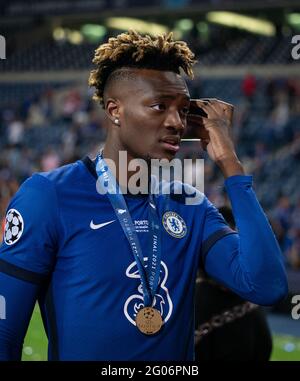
(231, 166)
(20, 297)
(250, 264)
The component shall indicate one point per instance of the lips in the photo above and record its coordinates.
(171, 143)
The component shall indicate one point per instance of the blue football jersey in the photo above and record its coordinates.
(61, 233)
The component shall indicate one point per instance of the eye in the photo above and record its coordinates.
(185, 110)
(159, 107)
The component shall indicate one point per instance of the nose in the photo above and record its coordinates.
(174, 121)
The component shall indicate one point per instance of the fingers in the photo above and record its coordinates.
(227, 108)
(208, 107)
(204, 143)
(216, 108)
(218, 114)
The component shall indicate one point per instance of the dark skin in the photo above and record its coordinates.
(151, 113)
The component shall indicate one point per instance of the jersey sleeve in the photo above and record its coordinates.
(17, 299)
(31, 232)
(215, 228)
(249, 263)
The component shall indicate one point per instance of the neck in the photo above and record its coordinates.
(118, 159)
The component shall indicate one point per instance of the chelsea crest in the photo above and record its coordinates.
(174, 224)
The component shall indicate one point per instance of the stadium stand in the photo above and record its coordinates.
(52, 55)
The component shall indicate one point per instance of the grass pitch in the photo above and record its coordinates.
(285, 348)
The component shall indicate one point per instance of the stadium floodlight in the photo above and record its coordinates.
(141, 26)
(59, 34)
(93, 32)
(294, 20)
(184, 24)
(75, 37)
(235, 20)
(65, 34)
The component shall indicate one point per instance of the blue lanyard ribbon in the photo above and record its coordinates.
(149, 275)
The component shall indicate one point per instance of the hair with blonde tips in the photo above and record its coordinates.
(132, 50)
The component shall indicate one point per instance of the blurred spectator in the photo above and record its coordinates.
(249, 87)
(283, 212)
(50, 160)
(281, 112)
(72, 103)
(15, 132)
(36, 117)
(285, 242)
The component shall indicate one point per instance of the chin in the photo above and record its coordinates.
(162, 155)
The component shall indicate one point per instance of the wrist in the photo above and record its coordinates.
(230, 166)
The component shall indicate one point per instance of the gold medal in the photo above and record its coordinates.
(148, 320)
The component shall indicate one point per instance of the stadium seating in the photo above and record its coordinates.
(51, 55)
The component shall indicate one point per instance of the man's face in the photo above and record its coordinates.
(153, 114)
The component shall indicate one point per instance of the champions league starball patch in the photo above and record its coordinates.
(174, 224)
(14, 227)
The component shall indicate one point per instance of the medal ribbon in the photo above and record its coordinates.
(150, 275)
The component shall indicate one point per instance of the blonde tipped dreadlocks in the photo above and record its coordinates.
(131, 50)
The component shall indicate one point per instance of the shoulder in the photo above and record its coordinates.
(42, 187)
(64, 174)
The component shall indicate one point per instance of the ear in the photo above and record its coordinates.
(112, 109)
